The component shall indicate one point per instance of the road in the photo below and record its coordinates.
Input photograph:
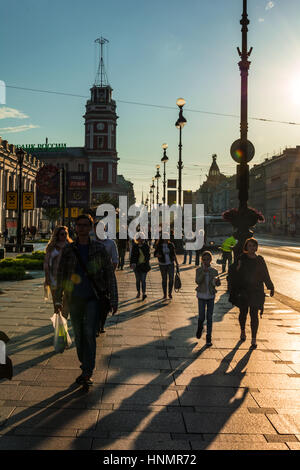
(283, 260)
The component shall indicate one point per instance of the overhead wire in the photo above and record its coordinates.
(155, 105)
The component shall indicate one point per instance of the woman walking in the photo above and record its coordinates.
(139, 262)
(59, 239)
(166, 254)
(251, 275)
(206, 280)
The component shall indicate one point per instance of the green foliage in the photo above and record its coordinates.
(15, 273)
(26, 263)
(35, 255)
(53, 214)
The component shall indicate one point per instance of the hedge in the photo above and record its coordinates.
(26, 263)
(37, 255)
(16, 273)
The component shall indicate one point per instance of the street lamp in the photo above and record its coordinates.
(153, 188)
(157, 176)
(164, 160)
(242, 151)
(20, 156)
(180, 123)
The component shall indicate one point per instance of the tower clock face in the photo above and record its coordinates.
(100, 126)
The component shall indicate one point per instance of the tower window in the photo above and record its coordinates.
(100, 141)
(100, 174)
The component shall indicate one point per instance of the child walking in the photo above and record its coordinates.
(206, 280)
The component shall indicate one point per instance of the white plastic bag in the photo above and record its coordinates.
(62, 338)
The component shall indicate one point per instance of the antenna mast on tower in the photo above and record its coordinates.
(101, 77)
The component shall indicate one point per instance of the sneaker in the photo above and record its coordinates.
(208, 341)
(170, 296)
(138, 295)
(253, 344)
(84, 380)
(144, 296)
(243, 336)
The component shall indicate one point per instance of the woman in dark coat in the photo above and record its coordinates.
(251, 273)
(165, 252)
(139, 262)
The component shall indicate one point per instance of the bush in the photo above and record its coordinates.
(36, 255)
(26, 263)
(16, 273)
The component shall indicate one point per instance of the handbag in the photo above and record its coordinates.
(62, 338)
(144, 267)
(177, 281)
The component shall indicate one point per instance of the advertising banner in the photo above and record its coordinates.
(48, 187)
(172, 197)
(28, 200)
(187, 197)
(172, 183)
(11, 225)
(78, 189)
(12, 200)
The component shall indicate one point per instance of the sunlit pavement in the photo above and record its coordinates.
(155, 385)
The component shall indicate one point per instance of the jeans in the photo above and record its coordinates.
(206, 306)
(84, 315)
(140, 278)
(227, 256)
(167, 271)
(253, 319)
(186, 253)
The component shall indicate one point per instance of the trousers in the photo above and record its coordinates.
(254, 321)
(84, 315)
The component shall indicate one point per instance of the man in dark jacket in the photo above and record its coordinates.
(86, 275)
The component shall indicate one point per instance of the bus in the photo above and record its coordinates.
(216, 230)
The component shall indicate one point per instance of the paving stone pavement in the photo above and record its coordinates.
(155, 385)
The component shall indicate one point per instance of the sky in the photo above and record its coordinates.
(158, 51)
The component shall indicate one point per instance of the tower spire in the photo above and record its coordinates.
(101, 79)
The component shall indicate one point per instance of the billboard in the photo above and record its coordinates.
(187, 197)
(172, 197)
(48, 187)
(172, 183)
(78, 189)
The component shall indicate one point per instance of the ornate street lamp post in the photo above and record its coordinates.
(20, 156)
(180, 123)
(157, 177)
(164, 160)
(153, 188)
(242, 152)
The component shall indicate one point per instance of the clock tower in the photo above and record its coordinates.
(100, 134)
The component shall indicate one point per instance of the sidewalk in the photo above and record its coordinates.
(156, 386)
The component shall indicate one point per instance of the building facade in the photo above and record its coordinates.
(274, 190)
(9, 177)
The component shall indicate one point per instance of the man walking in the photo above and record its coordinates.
(86, 275)
(227, 247)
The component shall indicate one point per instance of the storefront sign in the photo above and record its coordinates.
(78, 189)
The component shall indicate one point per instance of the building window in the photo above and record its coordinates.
(80, 167)
(100, 174)
(100, 141)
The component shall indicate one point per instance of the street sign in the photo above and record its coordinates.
(28, 200)
(47, 187)
(237, 151)
(74, 212)
(12, 200)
